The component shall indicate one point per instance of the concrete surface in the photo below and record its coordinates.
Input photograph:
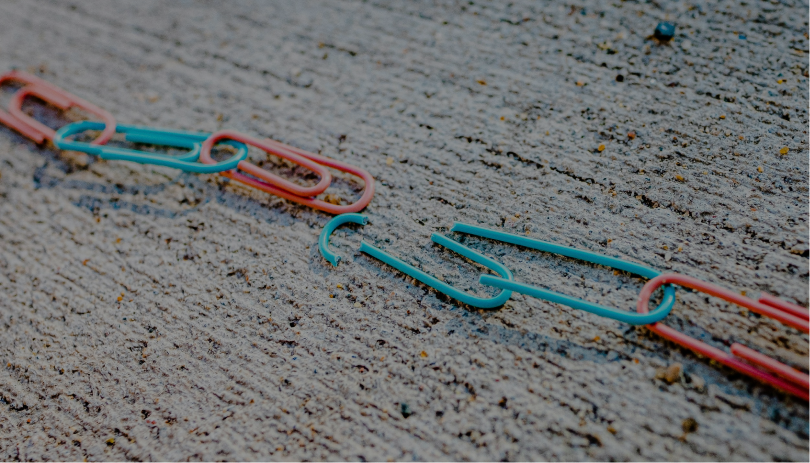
(149, 314)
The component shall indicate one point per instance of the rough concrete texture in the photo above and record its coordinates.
(152, 314)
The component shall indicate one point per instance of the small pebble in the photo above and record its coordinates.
(405, 409)
(664, 31)
(673, 373)
(784, 150)
(686, 45)
(689, 425)
(601, 148)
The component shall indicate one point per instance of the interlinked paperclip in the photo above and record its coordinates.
(632, 318)
(314, 203)
(26, 79)
(772, 371)
(258, 178)
(153, 136)
(474, 301)
(265, 176)
(35, 130)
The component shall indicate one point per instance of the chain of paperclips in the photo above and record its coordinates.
(741, 358)
(198, 159)
(199, 145)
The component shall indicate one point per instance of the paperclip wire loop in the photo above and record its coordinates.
(61, 100)
(314, 203)
(329, 228)
(631, 318)
(147, 135)
(256, 171)
(714, 353)
(441, 286)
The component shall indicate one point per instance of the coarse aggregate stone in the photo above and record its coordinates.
(151, 314)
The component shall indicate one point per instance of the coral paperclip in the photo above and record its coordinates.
(659, 313)
(771, 371)
(49, 93)
(263, 175)
(314, 203)
(152, 136)
(28, 79)
(474, 301)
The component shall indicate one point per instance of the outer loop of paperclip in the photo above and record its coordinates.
(631, 318)
(29, 79)
(359, 205)
(258, 172)
(62, 100)
(785, 382)
(55, 95)
(147, 135)
(329, 228)
(435, 283)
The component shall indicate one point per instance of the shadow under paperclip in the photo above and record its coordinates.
(106, 197)
(763, 400)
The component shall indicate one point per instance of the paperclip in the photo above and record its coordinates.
(265, 176)
(314, 203)
(631, 318)
(28, 79)
(413, 272)
(62, 100)
(148, 135)
(783, 377)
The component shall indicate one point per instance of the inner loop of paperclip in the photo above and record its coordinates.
(631, 318)
(265, 176)
(329, 228)
(62, 101)
(794, 383)
(153, 136)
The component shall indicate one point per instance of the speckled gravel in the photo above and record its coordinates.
(150, 314)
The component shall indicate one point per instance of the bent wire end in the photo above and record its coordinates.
(435, 283)
(329, 228)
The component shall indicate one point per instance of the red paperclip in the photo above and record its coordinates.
(314, 203)
(784, 377)
(285, 185)
(28, 79)
(62, 100)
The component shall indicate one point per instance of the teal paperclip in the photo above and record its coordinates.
(410, 270)
(631, 318)
(153, 136)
